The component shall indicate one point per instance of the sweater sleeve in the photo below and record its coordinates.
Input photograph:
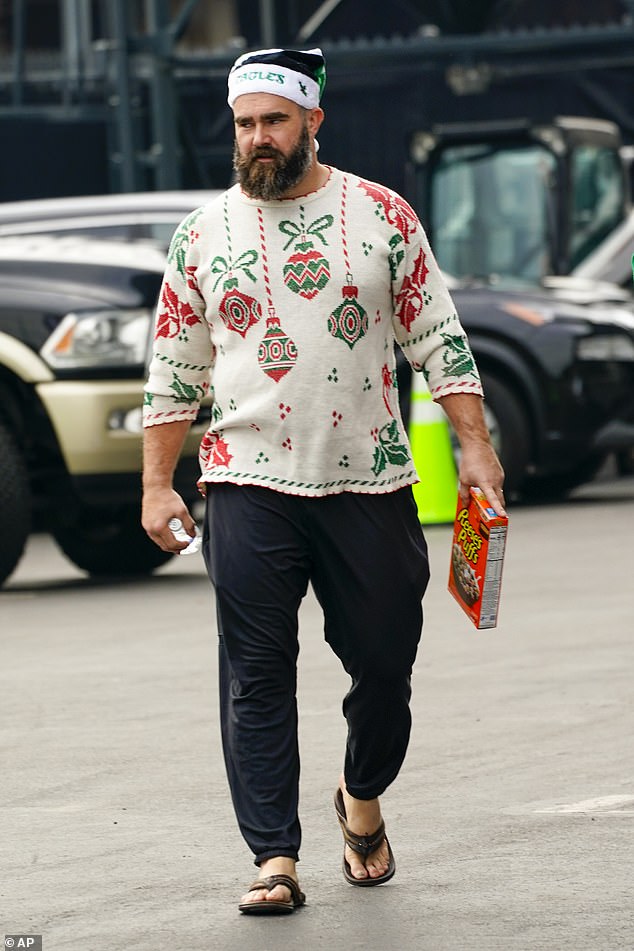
(426, 324)
(182, 354)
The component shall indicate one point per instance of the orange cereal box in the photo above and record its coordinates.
(477, 557)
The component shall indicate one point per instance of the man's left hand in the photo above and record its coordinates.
(480, 466)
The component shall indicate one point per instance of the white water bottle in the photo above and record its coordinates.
(176, 528)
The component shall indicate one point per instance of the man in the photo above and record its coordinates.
(291, 288)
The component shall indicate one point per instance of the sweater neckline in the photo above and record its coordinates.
(333, 177)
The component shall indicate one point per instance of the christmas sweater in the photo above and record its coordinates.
(285, 313)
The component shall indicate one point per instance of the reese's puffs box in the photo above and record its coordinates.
(477, 557)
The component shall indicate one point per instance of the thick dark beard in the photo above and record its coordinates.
(271, 181)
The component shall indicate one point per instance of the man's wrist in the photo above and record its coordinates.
(157, 486)
(477, 439)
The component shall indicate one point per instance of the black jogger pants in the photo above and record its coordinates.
(366, 558)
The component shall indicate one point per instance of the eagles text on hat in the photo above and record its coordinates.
(298, 75)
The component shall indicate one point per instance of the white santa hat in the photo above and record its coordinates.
(298, 75)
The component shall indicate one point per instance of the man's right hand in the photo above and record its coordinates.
(159, 506)
(161, 448)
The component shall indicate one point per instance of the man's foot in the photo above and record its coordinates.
(362, 818)
(279, 895)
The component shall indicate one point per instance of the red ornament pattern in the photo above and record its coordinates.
(306, 272)
(239, 311)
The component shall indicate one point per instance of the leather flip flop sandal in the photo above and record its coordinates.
(363, 845)
(268, 907)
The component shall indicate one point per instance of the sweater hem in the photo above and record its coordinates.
(312, 489)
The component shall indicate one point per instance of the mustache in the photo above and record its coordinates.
(263, 151)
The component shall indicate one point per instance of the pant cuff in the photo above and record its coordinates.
(286, 852)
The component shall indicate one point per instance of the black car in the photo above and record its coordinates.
(75, 329)
(558, 377)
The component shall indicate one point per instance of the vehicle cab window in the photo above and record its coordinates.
(598, 190)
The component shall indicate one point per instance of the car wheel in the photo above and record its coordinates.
(510, 431)
(15, 504)
(109, 542)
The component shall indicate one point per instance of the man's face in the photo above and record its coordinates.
(273, 147)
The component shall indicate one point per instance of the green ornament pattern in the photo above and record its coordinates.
(307, 271)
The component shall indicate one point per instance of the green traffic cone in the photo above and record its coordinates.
(429, 437)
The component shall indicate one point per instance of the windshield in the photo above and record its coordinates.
(598, 198)
(490, 211)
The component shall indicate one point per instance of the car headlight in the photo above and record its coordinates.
(99, 338)
(601, 347)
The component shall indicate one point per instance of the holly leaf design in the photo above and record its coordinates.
(185, 392)
(177, 253)
(395, 451)
(394, 208)
(410, 300)
(178, 250)
(220, 455)
(457, 356)
(396, 255)
(389, 449)
(174, 315)
(380, 460)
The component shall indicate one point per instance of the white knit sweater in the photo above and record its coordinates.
(288, 310)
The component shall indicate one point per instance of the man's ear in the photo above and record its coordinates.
(315, 119)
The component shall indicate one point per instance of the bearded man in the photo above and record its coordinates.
(283, 298)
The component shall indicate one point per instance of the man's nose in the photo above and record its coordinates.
(260, 135)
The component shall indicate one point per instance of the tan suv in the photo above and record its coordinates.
(75, 331)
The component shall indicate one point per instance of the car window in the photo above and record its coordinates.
(598, 191)
(490, 211)
(162, 231)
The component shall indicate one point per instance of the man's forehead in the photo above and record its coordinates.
(263, 105)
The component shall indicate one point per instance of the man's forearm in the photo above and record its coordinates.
(479, 464)
(465, 413)
(162, 447)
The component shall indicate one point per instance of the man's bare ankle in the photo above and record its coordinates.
(278, 865)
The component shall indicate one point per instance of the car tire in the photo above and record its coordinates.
(15, 504)
(109, 542)
(510, 431)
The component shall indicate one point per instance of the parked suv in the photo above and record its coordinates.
(75, 327)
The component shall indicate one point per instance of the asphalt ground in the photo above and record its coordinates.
(512, 821)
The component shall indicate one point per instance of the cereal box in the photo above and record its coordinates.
(477, 556)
